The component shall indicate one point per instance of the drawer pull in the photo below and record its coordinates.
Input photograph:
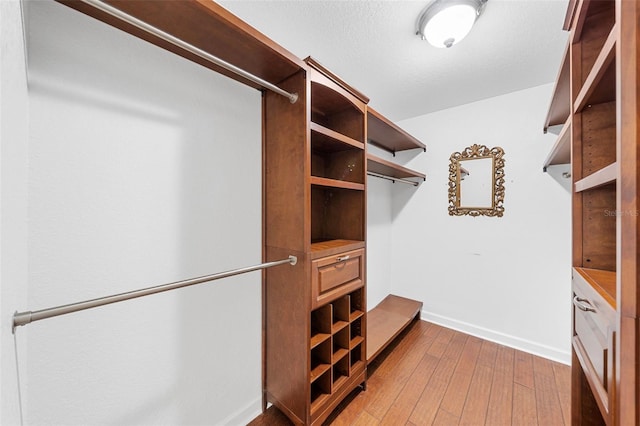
(343, 258)
(583, 304)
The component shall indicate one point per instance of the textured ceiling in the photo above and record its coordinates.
(516, 44)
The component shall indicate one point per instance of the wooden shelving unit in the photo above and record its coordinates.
(601, 127)
(315, 201)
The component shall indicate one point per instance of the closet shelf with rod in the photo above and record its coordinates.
(384, 169)
(246, 56)
(27, 317)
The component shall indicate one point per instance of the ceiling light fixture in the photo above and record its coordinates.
(444, 23)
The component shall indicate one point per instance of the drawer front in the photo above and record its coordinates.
(594, 341)
(336, 275)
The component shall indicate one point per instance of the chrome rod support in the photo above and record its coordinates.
(293, 97)
(27, 317)
(394, 179)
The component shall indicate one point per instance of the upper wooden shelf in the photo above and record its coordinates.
(604, 176)
(561, 151)
(384, 134)
(560, 107)
(207, 26)
(392, 170)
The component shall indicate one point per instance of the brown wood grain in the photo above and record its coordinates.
(420, 380)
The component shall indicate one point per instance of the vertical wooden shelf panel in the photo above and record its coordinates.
(603, 128)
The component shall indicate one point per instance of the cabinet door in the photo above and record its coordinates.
(337, 275)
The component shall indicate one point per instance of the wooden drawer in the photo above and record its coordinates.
(334, 276)
(594, 340)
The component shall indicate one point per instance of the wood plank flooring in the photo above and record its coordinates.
(432, 375)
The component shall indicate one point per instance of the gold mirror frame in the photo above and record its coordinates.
(476, 152)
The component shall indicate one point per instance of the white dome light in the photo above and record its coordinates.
(446, 22)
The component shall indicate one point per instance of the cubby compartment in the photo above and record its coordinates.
(340, 345)
(599, 215)
(340, 314)
(321, 389)
(336, 213)
(334, 159)
(332, 110)
(356, 305)
(321, 357)
(355, 333)
(598, 144)
(356, 356)
(320, 325)
(341, 369)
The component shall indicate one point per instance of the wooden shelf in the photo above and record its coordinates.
(319, 338)
(327, 248)
(600, 85)
(339, 354)
(355, 342)
(561, 151)
(330, 140)
(209, 27)
(604, 282)
(319, 371)
(386, 135)
(602, 177)
(560, 107)
(392, 170)
(334, 183)
(387, 320)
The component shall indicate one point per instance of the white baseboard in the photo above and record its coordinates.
(243, 416)
(524, 345)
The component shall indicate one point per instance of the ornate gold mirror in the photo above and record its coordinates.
(476, 182)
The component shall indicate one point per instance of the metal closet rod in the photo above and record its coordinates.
(293, 97)
(394, 179)
(27, 317)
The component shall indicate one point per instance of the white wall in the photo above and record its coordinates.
(505, 279)
(379, 236)
(13, 202)
(143, 169)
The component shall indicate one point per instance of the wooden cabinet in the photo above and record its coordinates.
(596, 101)
(315, 201)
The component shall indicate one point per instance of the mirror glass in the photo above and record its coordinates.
(476, 182)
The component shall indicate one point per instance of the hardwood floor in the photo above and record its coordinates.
(432, 375)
